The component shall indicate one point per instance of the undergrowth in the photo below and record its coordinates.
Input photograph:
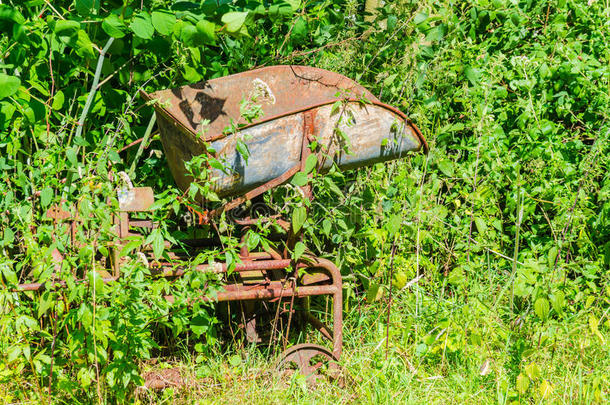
(501, 233)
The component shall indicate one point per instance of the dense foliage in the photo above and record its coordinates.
(71, 72)
(489, 255)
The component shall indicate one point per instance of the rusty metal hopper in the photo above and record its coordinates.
(295, 100)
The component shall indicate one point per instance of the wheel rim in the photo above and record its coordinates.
(308, 359)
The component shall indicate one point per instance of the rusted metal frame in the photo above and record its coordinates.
(337, 283)
(219, 268)
(184, 256)
(243, 251)
(59, 283)
(141, 223)
(319, 325)
(294, 286)
(253, 221)
(256, 192)
(235, 292)
(165, 272)
(308, 133)
(271, 293)
(58, 215)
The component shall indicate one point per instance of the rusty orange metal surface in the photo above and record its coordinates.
(294, 88)
(287, 95)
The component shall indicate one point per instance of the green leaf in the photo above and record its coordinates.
(155, 239)
(299, 179)
(13, 353)
(129, 246)
(457, 276)
(71, 155)
(481, 225)
(9, 274)
(113, 26)
(8, 85)
(326, 226)
(200, 324)
(242, 149)
(87, 7)
(163, 21)
(552, 256)
(436, 34)
(85, 377)
(533, 371)
(58, 100)
(253, 240)
(8, 13)
(545, 389)
(472, 75)
(558, 301)
(420, 18)
(46, 300)
(96, 282)
(191, 36)
(280, 10)
(295, 4)
(46, 195)
(333, 187)
(335, 108)
(446, 166)
(7, 239)
(207, 30)
(299, 249)
(235, 360)
(393, 224)
(542, 307)
(142, 25)
(523, 383)
(389, 81)
(310, 163)
(594, 327)
(300, 29)
(373, 293)
(299, 215)
(392, 21)
(84, 46)
(234, 20)
(66, 27)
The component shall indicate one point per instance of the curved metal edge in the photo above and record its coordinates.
(284, 356)
(337, 279)
(170, 117)
(188, 131)
(420, 136)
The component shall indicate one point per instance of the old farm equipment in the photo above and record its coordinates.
(300, 105)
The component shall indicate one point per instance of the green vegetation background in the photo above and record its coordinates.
(501, 233)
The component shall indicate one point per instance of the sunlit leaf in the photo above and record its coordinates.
(142, 25)
(234, 20)
(8, 85)
(113, 26)
(163, 21)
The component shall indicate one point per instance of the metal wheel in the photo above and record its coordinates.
(309, 360)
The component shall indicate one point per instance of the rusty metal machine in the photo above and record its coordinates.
(299, 105)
